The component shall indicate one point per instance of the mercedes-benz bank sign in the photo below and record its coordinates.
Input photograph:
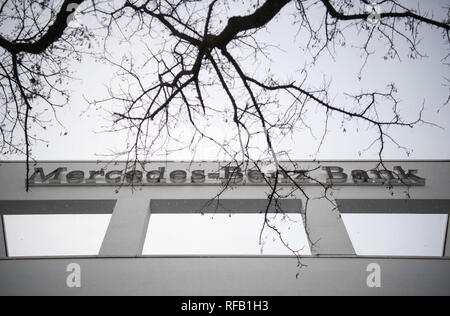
(160, 175)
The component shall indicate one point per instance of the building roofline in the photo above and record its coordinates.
(225, 161)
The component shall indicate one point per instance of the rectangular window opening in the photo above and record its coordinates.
(225, 234)
(397, 234)
(55, 235)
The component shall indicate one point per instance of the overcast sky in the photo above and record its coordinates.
(418, 81)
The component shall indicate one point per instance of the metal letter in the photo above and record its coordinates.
(198, 176)
(178, 176)
(156, 176)
(335, 175)
(54, 177)
(383, 176)
(134, 177)
(93, 174)
(255, 176)
(109, 179)
(75, 177)
(233, 175)
(360, 176)
(409, 177)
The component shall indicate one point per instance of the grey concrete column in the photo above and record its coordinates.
(447, 241)
(3, 252)
(327, 230)
(127, 228)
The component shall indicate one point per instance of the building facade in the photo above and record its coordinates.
(131, 194)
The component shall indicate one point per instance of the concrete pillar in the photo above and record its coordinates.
(127, 229)
(447, 241)
(327, 230)
(3, 251)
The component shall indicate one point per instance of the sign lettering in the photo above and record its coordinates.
(229, 175)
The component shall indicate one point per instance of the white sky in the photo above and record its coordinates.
(418, 81)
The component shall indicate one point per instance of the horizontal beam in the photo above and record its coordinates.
(223, 206)
(226, 276)
(375, 206)
(50, 207)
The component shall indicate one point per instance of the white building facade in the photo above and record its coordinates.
(131, 194)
